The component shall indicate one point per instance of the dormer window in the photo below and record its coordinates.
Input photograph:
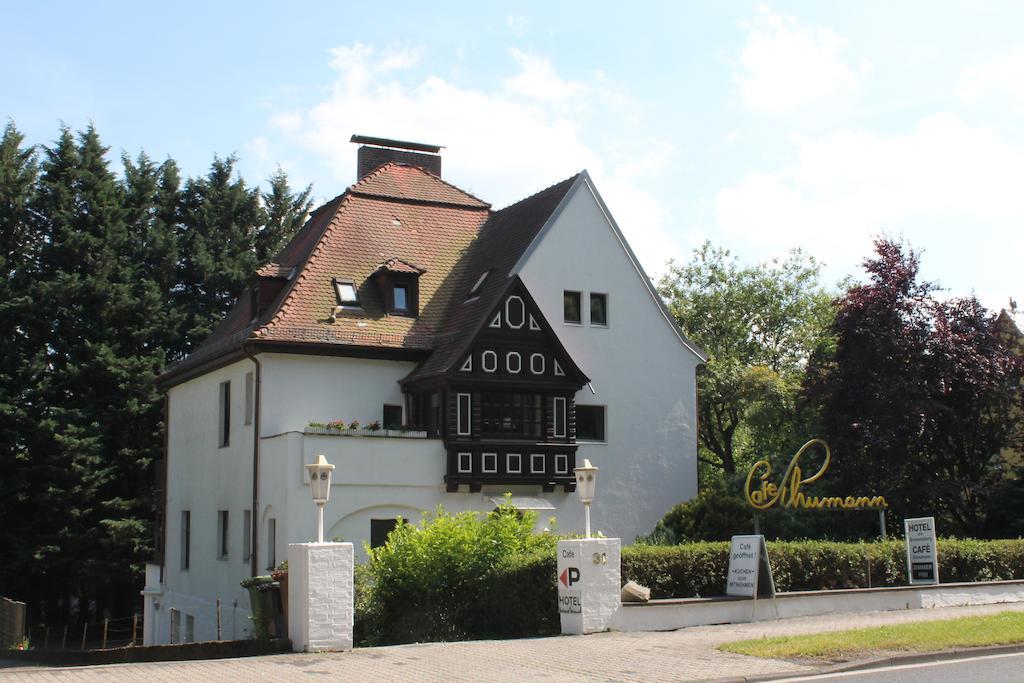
(398, 282)
(346, 293)
(401, 298)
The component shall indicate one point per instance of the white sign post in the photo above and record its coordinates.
(922, 555)
(750, 572)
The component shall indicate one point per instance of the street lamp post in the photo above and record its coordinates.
(586, 483)
(320, 488)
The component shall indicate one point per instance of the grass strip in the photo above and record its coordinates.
(1004, 628)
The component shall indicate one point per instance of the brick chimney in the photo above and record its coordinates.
(375, 152)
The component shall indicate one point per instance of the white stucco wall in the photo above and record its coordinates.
(638, 368)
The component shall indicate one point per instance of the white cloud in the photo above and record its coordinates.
(950, 188)
(1002, 75)
(786, 65)
(502, 143)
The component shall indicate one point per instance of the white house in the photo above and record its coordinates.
(516, 343)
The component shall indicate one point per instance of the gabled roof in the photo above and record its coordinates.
(502, 240)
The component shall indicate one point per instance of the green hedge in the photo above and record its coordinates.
(516, 594)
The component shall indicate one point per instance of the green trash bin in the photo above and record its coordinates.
(262, 599)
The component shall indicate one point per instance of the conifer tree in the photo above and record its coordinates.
(286, 212)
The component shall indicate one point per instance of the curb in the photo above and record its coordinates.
(879, 662)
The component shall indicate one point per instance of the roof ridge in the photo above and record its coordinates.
(540, 192)
(354, 188)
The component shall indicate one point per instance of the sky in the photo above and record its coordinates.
(759, 127)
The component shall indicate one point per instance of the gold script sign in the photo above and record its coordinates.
(788, 493)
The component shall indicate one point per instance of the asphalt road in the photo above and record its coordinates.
(1003, 668)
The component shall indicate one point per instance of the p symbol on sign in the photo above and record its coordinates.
(570, 576)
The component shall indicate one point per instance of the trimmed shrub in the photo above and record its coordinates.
(443, 579)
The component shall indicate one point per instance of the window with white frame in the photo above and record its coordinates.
(561, 463)
(345, 293)
(465, 462)
(489, 361)
(513, 463)
(598, 309)
(489, 463)
(464, 414)
(537, 363)
(537, 463)
(515, 312)
(559, 416)
(513, 362)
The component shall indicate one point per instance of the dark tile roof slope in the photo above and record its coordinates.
(502, 240)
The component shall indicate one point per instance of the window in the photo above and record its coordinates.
(379, 530)
(246, 535)
(190, 629)
(490, 463)
(392, 416)
(489, 361)
(175, 626)
(464, 415)
(571, 307)
(513, 362)
(561, 463)
(345, 292)
(537, 363)
(222, 534)
(511, 415)
(475, 291)
(598, 309)
(465, 462)
(224, 436)
(537, 463)
(249, 397)
(186, 539)
(559, 421)
(515, 312)
(271, 543)
(590, 423)
(401, 298)
(513, 463)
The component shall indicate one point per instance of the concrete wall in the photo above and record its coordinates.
(639, 369)
(668, 615)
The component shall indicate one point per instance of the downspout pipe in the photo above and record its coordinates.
(255, 517)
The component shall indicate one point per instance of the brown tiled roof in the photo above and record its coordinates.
(412, 183)
(397, 265)
(401, 218)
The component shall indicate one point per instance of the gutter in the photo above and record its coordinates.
(254, 548)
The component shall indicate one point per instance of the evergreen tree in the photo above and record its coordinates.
(19, 362)
(221, 219)
(286, 212)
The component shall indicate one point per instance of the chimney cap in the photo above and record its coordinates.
(397, 144)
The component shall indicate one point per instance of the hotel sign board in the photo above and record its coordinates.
(922, 556)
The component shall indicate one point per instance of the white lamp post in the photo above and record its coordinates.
(586, 482)
(320, 487)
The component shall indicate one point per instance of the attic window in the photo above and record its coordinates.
(479, 283)
(345, 291)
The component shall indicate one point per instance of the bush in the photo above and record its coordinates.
(444, 578)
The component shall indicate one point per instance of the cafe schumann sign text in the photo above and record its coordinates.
(787, 493)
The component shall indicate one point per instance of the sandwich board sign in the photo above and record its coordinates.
(922, 557)
(750, 572)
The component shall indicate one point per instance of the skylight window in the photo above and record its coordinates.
(346, 293)
(479, 283)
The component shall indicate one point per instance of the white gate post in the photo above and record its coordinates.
(321, 596)
(589, 584)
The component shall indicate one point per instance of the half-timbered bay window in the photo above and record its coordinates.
(511, 415)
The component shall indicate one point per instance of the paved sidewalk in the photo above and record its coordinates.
(687, 654)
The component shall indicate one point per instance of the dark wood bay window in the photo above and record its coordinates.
(512, 415)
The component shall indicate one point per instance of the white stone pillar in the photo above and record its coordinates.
(589, 584)
(320, 596)
(152, 594)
